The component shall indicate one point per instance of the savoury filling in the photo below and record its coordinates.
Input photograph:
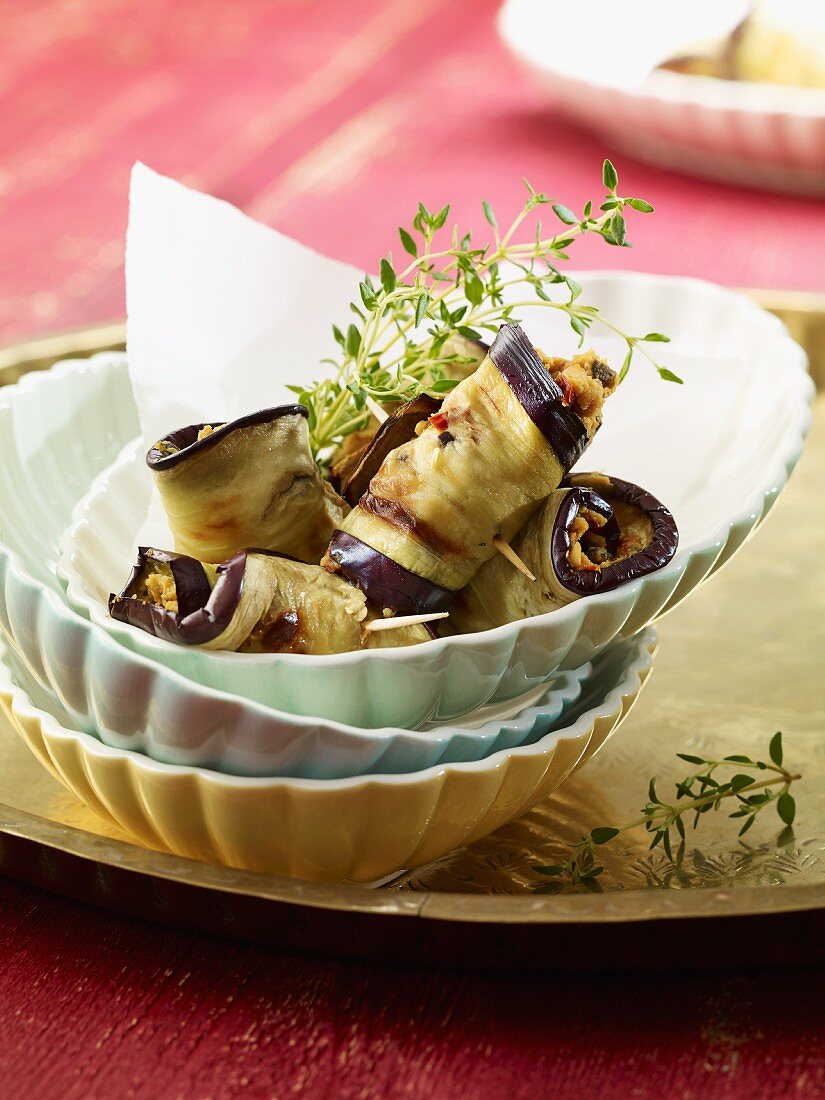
(585, 381)
(158, 587)
(590, 551)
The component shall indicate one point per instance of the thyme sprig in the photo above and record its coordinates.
(696, 794)
(397, 345)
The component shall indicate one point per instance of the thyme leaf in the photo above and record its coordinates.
(397, 346)
(698, 793)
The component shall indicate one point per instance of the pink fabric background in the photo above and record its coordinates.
(328, 118)
(331, 119)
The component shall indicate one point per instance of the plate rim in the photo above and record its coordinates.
(633, 906)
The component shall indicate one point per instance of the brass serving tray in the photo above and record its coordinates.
(739, 660)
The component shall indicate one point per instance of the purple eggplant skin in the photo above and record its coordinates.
(384, 582)
(660, 550)
(397, 429)
(186, 443)
(539, 395)
(203, 612)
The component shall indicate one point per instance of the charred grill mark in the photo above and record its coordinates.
(490, 399)
(278, 633)
(213, 527)
(394, 513)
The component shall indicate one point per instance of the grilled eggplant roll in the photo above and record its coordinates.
(362, 453)
(502, 441)
(590, 536)
(255, 602)
(251, 482)
(396, 430)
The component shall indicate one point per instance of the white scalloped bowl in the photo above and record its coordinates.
(50, 424)
(360, 829)
(55, 439)
(754, 135)
(717, 451)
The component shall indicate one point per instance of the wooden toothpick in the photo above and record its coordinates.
(397, 621)
(504, 548)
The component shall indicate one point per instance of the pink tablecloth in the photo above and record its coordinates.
(328, 119)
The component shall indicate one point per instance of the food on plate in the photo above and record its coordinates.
(252, 482)
(448, 453)
(255, 602)
(464, 503)
(591, 535)
(502, 440)
(776, 44)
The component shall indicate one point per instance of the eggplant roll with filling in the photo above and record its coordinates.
(252, 482)
(255, 602)
(362, 453)
(591, 535)
(356, 473)
(502, 441)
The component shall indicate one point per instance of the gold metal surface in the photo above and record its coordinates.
(742, 658)
(804, 315)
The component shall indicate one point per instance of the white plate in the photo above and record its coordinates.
(54, 437)
(755, 135)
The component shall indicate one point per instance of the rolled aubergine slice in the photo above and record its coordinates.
(592, 535)
(251, 482)
(397, 429)
(363, 452)
(256, 602)
(502, 441)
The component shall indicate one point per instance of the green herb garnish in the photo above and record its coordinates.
(394, 349)
(697, 794)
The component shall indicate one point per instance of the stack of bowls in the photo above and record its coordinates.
(348, 766)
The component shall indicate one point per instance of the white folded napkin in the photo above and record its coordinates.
(223, 312)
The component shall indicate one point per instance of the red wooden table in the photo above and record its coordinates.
(331, 120)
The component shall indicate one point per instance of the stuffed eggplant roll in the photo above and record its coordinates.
(255, 602)
(592, 535)
(251, 482)
(362, 453)
(502, 440)
(397, 429)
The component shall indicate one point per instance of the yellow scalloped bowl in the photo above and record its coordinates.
(359, 829)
